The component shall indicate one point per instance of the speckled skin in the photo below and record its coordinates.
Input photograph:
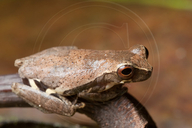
(69, 70)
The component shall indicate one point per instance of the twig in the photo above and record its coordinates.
(7, 97)
(122, 112)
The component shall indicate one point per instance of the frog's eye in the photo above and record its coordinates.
(125, 71)
(146, 53)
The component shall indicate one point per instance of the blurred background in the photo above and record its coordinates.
(164, 27)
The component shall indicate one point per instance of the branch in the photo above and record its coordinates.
(122, 111)
(7, 97)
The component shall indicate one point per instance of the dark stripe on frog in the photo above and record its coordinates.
(26, 82)
(41, 86)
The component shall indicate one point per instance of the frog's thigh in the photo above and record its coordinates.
(45, 102)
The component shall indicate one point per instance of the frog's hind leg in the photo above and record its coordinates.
(45, 102)
(38, 85)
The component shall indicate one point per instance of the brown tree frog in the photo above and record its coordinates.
(58, 76)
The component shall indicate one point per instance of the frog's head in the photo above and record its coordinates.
(128, 66)
(137, 67)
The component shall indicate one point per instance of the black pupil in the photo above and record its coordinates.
(146, 52)
(126, 71)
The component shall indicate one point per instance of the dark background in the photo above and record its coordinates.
(27, 27)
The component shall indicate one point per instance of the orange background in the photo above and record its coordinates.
(27, 27)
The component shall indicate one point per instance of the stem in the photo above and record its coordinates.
(7, 97)
(122, 112)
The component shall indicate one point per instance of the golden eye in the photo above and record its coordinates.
(125, 71)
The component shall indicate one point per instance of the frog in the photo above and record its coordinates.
(54, 79)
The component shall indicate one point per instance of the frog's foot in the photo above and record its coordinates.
(74, 103)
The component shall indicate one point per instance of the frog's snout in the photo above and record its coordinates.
(18, 63)
(141, 75)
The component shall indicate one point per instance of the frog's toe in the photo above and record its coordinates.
(79, 105)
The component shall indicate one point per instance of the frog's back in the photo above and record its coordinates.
(69, 67)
